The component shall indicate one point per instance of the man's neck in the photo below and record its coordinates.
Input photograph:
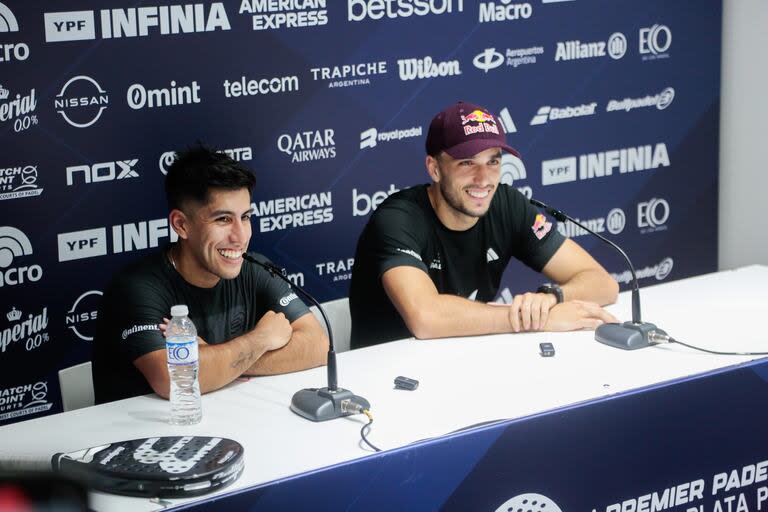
(187, 268)
(449, 216)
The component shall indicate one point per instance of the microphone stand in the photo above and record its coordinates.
(318, 404)
(629, 335)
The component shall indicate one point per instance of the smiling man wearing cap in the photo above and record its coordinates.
(432, 256)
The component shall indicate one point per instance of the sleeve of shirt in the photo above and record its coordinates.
(275, 294)
(535, 237)
(395, 237)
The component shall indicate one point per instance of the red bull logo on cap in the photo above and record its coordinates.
(485, 123)
(541, 226)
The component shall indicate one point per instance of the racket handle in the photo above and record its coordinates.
(30, 463)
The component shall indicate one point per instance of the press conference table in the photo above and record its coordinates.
(463, 382)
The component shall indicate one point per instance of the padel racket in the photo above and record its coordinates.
(163, 467)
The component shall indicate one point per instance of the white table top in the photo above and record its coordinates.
(463, 381)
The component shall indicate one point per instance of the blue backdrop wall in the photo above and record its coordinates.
(613, 104)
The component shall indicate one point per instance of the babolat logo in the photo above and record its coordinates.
(655, 41)
(660, 271)
(106, 171)
(135, 22)
(15, 244)
(547, 113)
(18, 182)
(17, 401)
(81, 317)
(308, 146)
(284, 301)
(614, 223)
(341, 270)
(81, 101)
(358, 10)
(371, 137)
(504, 11)
(600, 165)
(369, 201)
(616, 47)
(140, 97)
(29, 331)
(260, 86)
(296, 211)
(273, 14)
(136, 236)
(660, 101)
(348, 75)
(413, 69)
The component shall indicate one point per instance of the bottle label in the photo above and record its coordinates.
(182, 352)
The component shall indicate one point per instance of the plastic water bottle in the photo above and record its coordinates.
(181, 346)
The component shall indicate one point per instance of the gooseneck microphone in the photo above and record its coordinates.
(629, 335)
(318, 404)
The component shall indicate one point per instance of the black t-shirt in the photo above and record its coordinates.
(404, 230)
(142, 294)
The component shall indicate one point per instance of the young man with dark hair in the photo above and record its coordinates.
(248, 322)
(432, 256)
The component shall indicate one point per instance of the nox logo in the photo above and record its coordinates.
(652, 215)
(106, 171)
(81, 317)
(488, 59)
(8, 21)
(15, 244)
(655, 40)
(81, 101)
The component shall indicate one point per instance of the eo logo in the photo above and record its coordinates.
(488, 59)
(616, 220)
(655, 40)
(652, 215)
(81, 101)
(182, 353)
(8, 21)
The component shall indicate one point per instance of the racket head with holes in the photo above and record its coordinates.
(163, 467)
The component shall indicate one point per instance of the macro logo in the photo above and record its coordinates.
(81, 101)
(11, 51)
(359, 10)
(8, 21)
(135, 22)
(14, 244)
(504, 11)
(106, 171)
(269, 15)
(655, 42)
(488, 59)
(81, 317)
(308, 146)
(18, 182)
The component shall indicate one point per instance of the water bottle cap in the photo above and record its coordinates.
(179, 310)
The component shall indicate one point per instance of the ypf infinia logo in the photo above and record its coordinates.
(81, 101)
(488, 59)
(8, 21)
(81, 317)
(531, 502)
(15, 244)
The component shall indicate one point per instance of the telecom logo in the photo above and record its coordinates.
(661, 101)
(19, 109)
(615, 47)
(270, 14)
(604, 163)
(16, 182)
(488, 59)
(133, 236)
(655, 42)
(504, 11)
(135, 22)
(426, 67)
(81, 317)
(23, 400)
(296, 211)
(261, 86)
(614, 223)
(660, 272)
(8, 21)
(11, 51)
(15, 244)
(652, 215)
(364, 204)
(28, 331)
(513, 57)
(341, 270)
(140, 97)
(349, 75)
(237, 154)
(81, 101)
(371, 137)
(308, 146)
(548, 113)
(105, 171)
(359, 10)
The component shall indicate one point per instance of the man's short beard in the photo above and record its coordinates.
(455, 203)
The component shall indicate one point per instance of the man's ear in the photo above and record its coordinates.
(433, 168)
(179, 223)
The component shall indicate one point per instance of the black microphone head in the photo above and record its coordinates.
(535, 202)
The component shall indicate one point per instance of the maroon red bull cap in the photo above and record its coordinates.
(464, 130)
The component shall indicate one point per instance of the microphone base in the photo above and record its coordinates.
(626, 336)
(322, 404)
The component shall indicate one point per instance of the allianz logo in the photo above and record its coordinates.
(614, 223)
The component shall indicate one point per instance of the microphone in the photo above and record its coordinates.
(318, 404)
(629, 335)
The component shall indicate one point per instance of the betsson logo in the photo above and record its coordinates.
(136, 22)
(369, 201)
(271, 14)
(358, 10)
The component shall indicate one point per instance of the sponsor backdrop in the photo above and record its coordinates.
(613, 105)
